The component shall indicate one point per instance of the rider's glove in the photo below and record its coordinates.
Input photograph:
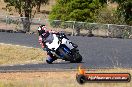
(61, 33)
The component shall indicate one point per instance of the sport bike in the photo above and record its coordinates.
(64, 49)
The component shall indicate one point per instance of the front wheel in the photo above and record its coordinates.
(77, 58)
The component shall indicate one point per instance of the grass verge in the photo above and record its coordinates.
(11, 54)
(55, 79)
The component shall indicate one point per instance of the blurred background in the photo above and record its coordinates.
(106, 18)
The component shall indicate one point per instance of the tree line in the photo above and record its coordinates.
(90, 10)
(74, 10)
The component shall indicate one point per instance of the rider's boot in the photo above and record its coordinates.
(51, 58)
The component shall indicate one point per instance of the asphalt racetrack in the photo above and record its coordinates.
(97, 52)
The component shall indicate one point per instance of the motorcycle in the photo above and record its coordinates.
(64, 49)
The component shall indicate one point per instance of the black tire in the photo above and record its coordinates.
(77, 58)
(81, 79)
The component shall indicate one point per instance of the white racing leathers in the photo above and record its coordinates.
(52, 41)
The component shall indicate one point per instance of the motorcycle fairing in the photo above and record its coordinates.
(55, 43)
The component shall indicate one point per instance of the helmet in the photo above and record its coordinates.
(41, 29)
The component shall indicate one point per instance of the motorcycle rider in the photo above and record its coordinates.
(46, 35)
